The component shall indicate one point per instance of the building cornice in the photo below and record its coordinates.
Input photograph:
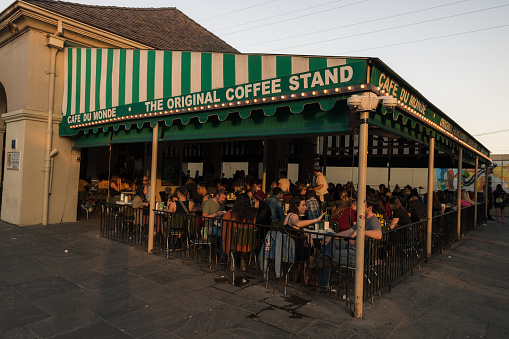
(30, 115)
(25, 16)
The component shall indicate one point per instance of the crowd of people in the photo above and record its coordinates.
(293, 207)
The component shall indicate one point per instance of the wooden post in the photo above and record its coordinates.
(460, 169)
(153, 179)
(431, 170)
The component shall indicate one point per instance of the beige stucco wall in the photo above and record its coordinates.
(375, 176)
(25, 63)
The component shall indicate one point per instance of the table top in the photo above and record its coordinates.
(120, 202)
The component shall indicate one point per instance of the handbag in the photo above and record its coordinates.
(137, 202)
(194, 222)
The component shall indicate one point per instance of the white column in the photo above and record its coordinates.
(361, 212)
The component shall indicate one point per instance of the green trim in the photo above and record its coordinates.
(312, 119)
(185, 76)
(283, 65)
(151, 70)
(123, 136)
(167, 72)
(98, 58)
(88, 76)
(78, 80)
(92, 140)
(317, 63)
(121, 80)
(206, 71)
(69, 80)
(228, 70)
(254, 68)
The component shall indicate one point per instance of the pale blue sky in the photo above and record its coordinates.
(452, 51)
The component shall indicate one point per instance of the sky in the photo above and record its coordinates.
(452, 51)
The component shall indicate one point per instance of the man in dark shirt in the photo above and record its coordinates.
(416, 209)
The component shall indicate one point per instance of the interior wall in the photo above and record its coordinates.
(415, 177)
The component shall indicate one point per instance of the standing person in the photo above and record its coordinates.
(283, 182)
(320, 183)
(490, 198)
(275, 205)
(499, 196)
(201, 188)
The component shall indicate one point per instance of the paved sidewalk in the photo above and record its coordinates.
(64, 281)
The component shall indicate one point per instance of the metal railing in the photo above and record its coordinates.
(280, 257)
(124, 223)
(444, 231)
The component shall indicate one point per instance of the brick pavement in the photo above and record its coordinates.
(64, 281)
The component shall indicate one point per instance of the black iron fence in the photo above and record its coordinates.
(481, 213)
(444, 231)
(312, 260)
(124, 223)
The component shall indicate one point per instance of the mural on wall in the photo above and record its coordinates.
(446, 178)
(499, 173)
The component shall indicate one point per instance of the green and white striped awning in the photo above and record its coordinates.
(208, 95)
(98, 79)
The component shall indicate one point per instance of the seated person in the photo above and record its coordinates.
(181, 205)
(345, 214)
(417, 210)
(214, 208)
(83, 185)
(373, 229)
(244, 229)
(400, 216)
(293, 222)
(115, 185)
(312, 203)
